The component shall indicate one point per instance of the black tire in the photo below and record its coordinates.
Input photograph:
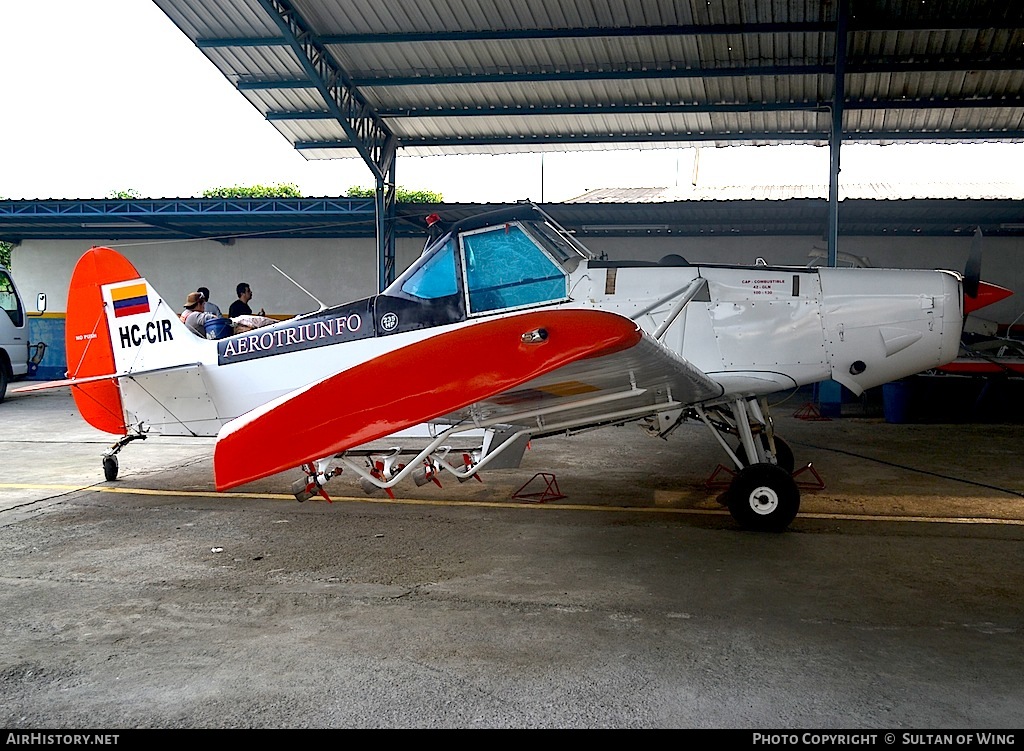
(783, 453)
(763, 497)
(3, 381)
(110, 467)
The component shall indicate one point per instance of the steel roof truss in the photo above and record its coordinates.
(368, 134)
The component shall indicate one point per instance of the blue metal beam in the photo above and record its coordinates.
(464, 78)
(817, 137)
(836, 136)
(974, 22)
(681, 108)
(367, 132)
(370, 136)
(614, 74)
(144, 208)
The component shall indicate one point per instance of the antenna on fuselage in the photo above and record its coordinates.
(322, 306)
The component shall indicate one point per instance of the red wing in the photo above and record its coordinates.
(411, 385)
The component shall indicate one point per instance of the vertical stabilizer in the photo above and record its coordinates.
(87, 337)
(118, 325)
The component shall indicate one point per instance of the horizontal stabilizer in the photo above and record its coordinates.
(46, 385)
(112, 377)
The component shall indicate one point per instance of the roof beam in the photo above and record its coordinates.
(549, 139)
(678, 108)
(369, 135)
(812, 27)
(769, 71)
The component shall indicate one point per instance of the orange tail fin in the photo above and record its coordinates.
(87, 337)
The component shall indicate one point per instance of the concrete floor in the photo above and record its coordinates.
(893, 601)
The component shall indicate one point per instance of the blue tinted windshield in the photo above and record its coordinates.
(436, 277)
(505, 268)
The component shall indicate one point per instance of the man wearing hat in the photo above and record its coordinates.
(194, 315)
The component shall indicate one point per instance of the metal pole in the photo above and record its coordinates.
(836, 136)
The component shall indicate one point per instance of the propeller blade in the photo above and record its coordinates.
(972, 271)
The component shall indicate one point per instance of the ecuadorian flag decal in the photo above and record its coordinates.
(130, 300)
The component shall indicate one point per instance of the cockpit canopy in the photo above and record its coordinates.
(500, 261)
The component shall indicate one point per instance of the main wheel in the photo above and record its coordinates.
(110, 467)
(3, 381)
(783, 453)
(763, 497)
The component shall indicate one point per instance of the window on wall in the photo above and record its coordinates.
(9, 302)
(506, 269)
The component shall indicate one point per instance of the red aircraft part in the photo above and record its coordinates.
(87, 339)
(412, 385)
(987, 295)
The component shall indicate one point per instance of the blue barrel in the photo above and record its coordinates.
(830, 399)
(896, 401)
(218, 328)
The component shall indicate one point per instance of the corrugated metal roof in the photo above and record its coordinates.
(470, 76)
(877, 191)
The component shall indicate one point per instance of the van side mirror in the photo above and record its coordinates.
(41, 303)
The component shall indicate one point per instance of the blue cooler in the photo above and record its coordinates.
(218, 328)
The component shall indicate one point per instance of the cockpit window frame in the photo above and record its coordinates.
(474, 312)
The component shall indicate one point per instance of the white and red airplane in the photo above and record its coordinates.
(506, 329)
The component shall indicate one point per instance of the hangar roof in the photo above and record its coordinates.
(462, 76)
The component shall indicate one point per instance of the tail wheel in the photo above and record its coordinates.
(783, 453)
(763, 497)
(110, 467)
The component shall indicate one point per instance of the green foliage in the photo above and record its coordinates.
(281, 190)
(130, 193)
(402, 195)
(5, 254)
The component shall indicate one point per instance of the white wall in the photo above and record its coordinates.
(333, 270)
(1001, 256)
(346, 269)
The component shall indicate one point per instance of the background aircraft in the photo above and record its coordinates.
(507, 329)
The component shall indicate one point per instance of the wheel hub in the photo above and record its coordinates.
(763, 500)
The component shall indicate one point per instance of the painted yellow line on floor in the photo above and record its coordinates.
(508, 504)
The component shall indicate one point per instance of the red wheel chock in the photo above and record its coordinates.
(810, 412)
(816, 484)
(715, 483)
(549, 493)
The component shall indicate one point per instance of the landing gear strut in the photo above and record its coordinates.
(763, 495)
(110, 455)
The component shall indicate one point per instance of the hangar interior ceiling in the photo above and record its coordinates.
(467, 76)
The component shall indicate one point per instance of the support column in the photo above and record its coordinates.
(836, 137)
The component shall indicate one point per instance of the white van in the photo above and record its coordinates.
(15, 349)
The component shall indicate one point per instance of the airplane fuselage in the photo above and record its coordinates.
(754, 330)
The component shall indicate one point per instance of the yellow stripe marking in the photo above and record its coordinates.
(507, 504)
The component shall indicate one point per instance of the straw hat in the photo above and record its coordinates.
(193, 299)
